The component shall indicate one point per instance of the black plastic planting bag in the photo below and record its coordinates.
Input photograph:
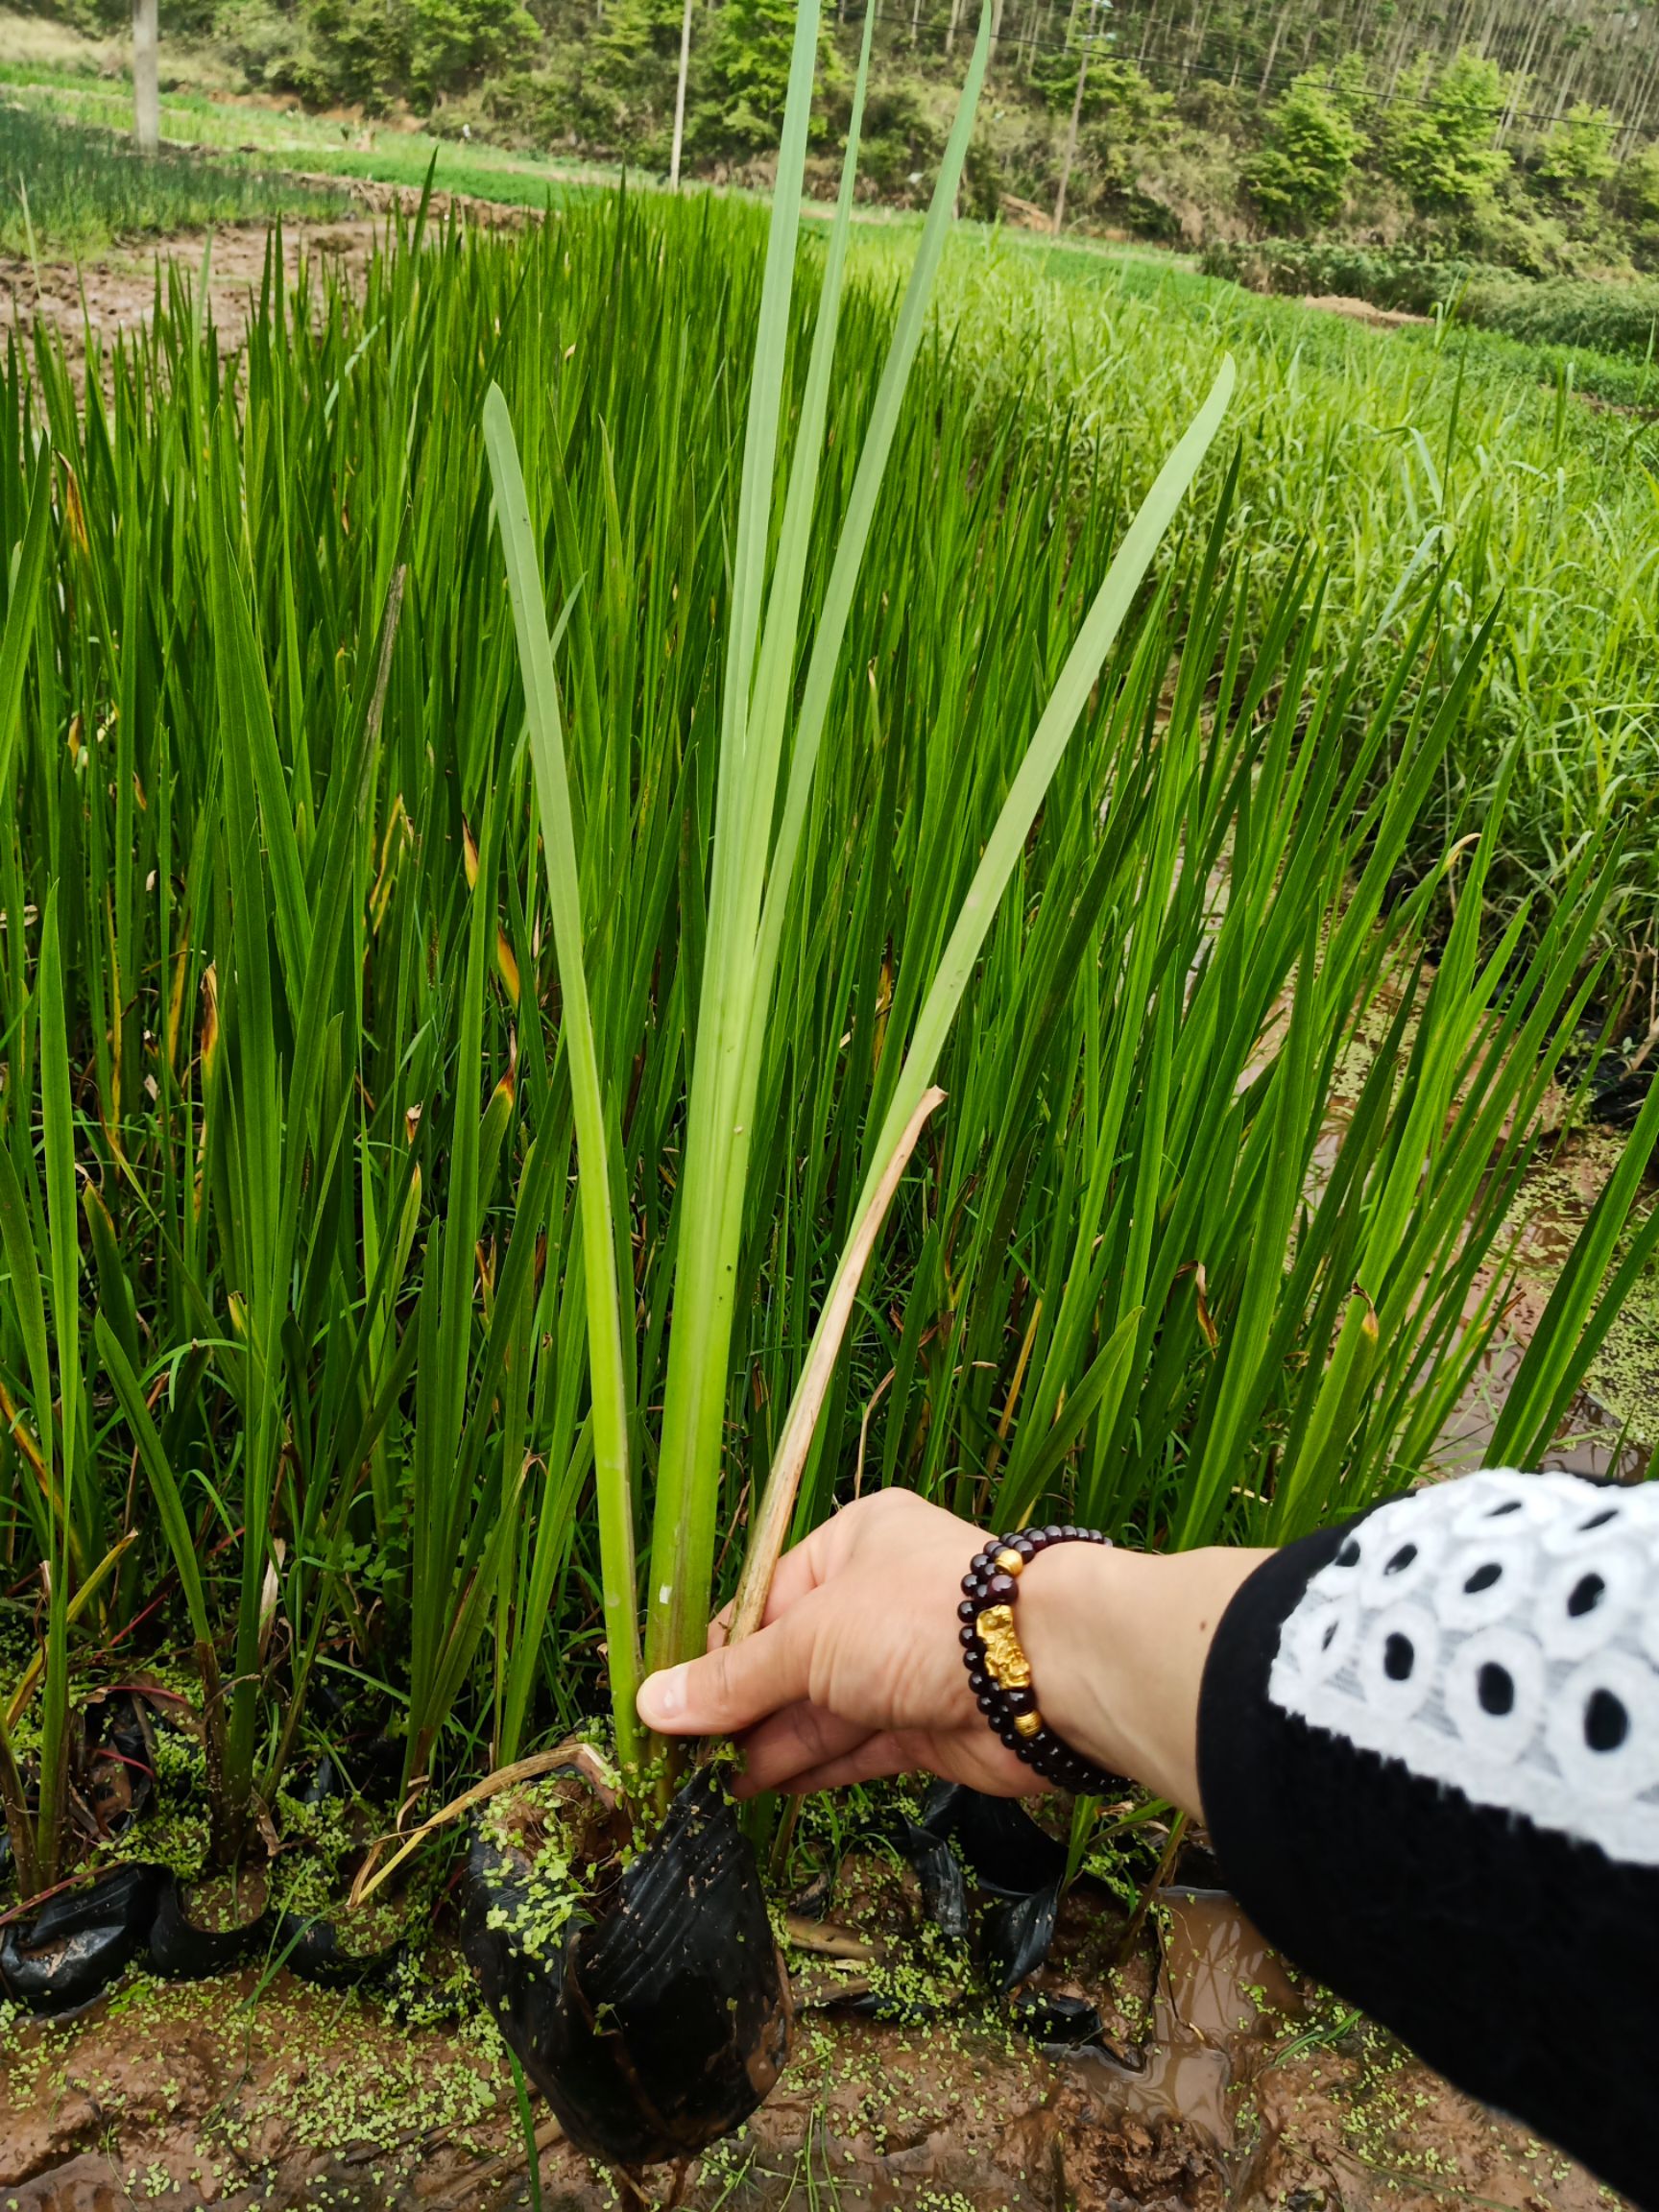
(79, 1940)
(659, 2024)
(182, 1950)
(1018, 1867)
(309, 1945)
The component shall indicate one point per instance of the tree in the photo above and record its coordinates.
(681, 79)
(455, 42)
(1440, 140)
(628, 86)
(1575, 158)
(366, 49)
(1300, 176)
(749, 68)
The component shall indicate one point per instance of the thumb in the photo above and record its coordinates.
(732, 1687)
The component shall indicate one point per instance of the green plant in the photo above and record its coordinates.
(1606, 318)
(754, 846)
(327, 1265)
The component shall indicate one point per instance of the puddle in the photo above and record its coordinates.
(1221, 1994)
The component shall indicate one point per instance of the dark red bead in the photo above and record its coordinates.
(1053, 1533)
(1024, 1546)
(979, 1680)
(966, 1636)
(999, 1588)
(1021, 1751)
(966, 1610)
(980, 1562)
(1021, 1701)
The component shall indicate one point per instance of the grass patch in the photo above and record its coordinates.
(1391, 455)
(289, 139)
(74, 190)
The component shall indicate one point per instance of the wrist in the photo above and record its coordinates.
(1118, 1642)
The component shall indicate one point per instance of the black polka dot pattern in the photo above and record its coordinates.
(1500, 1635)
(1606, 1723)
(1496, 1689)
(1399, 1657)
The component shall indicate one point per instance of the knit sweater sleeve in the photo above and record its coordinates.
(1429, 1756)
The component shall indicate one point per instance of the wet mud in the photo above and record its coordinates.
(1220, 2084)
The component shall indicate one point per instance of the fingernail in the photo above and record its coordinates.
(661, 1696)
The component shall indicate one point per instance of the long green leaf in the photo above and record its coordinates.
(605, 1333)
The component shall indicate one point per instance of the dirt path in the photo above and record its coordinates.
(1362, 310)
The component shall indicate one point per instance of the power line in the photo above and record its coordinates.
(1278, 81)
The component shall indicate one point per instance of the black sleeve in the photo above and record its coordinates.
(1429, 1755)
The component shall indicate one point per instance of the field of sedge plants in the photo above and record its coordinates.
(655, 871)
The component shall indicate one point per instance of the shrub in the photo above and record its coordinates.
(1407, 282)
(1620, 319)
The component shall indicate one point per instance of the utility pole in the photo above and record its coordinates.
(1095, 7)
(146, 77)
(680, 96)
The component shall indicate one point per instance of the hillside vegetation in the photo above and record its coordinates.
(1520, 136)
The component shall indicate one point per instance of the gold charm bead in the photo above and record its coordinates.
(1005, 1661)
(1010, 1562)
(1028, 1723)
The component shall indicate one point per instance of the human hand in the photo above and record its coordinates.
(856, 1669)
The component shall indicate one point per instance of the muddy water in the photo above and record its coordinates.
(1221, 1992)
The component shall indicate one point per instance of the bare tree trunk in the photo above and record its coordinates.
(1071, 155)
(146, 76)
(1518, 84)
(680, 95)
(1272, 52)
(955, 18)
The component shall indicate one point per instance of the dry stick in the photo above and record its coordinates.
(778, 1506)
(370, 1876)
(1165, 1868)
(500, 2169)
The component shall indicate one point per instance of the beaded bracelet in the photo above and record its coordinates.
(999, 1671)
